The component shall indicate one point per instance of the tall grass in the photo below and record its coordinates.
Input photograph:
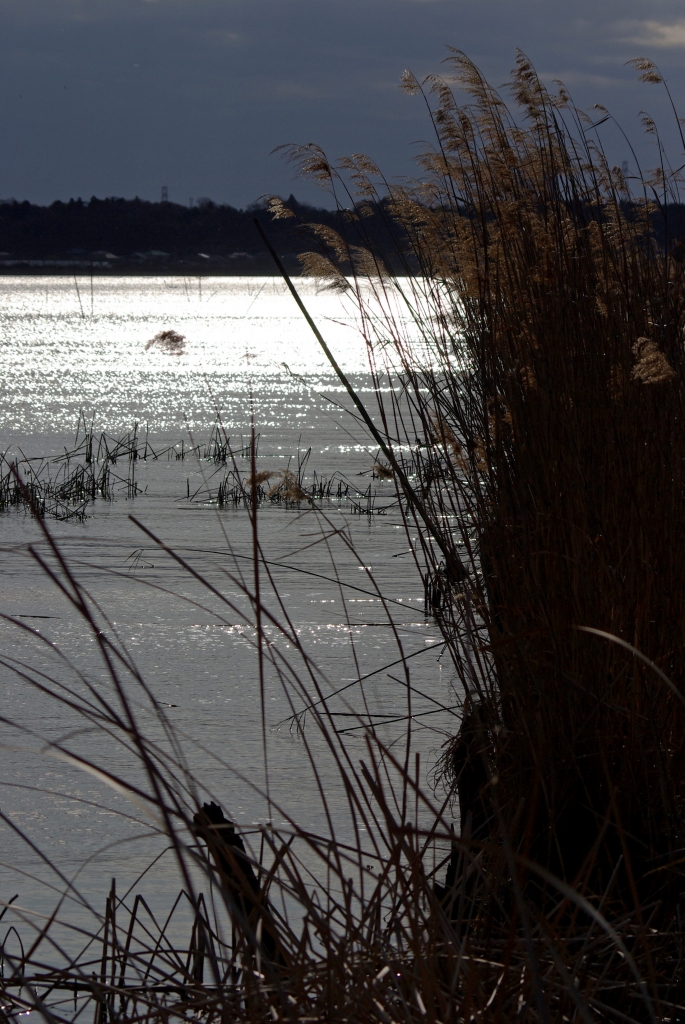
(530, 313)
(357, 922)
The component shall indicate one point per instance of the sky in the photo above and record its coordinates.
(121, 97)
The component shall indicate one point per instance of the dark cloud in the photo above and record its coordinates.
(118, 97)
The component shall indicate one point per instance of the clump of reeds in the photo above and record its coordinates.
(219, 448)
(539, 349)
(66, 486)
(170, 342)
(33, 485)
(283, 486)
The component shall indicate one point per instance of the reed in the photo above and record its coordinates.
(533, 341)
(286, 924)
(67, 486)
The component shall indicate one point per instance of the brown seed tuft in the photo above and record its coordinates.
(449, 440)
(652, 366)
(528, 378)
(277, 208)
(287, 487)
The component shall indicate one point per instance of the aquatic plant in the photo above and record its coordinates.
(170, 342)
(66, 486)
(534, 348)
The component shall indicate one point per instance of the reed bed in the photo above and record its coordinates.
(64, 491)
(288, 487)
(66, 486)
(278, 487)
(529, 316)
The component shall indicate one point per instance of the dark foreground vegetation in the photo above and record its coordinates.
(535, 432)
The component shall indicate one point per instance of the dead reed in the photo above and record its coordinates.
(530, 317)
(300, 926)
(66, 486)
(170, 342)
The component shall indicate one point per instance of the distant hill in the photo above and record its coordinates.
(115, 236)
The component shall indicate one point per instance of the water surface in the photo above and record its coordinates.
(66, 353)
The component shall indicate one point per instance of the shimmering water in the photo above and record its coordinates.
(65, 351)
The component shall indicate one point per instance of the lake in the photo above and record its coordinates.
(74, 348)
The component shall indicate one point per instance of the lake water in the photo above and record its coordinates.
(69, 348)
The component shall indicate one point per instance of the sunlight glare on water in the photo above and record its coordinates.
(61, 352)
(64, 352)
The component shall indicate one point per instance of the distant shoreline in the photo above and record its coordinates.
(132, 238)
(261, 265)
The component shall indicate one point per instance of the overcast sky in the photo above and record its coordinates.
(120, 97)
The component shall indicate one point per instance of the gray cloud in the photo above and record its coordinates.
(667, 35)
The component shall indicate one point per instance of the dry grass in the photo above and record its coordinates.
(539, 356)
